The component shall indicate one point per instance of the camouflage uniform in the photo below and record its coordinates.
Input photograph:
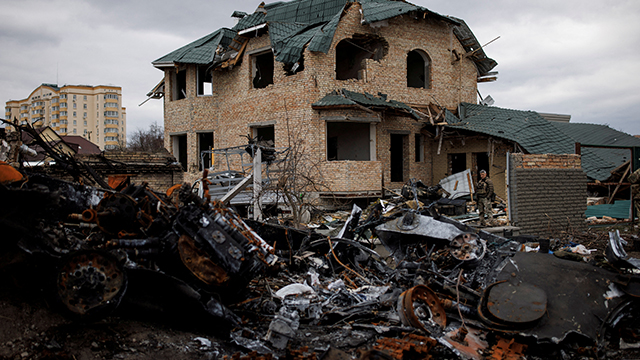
(484, 192)
(634, 179)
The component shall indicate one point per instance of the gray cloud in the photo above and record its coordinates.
(571, 57)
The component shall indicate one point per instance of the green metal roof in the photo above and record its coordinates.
(288, 40)
(620, 209)
(463, 33)
(599, 162)
(536, 135)
(322, 39)
(250, 21)
(596, 134)
(346, 97)
(311, 22)
(200, 51)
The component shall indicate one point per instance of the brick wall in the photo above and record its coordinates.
(548, 193)
(160, 171)
(235, 103)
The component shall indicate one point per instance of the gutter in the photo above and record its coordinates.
(161, 64)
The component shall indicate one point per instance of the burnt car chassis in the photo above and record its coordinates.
(96, 239)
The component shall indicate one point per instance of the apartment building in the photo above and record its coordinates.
(93, 112)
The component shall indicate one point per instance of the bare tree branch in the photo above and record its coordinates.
(148, 140)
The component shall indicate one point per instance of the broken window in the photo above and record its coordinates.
(205, 87)
(457, 163)
(397, 157)
(205, 142)
(419, 148)
(292, 69)
(418, 69)
(179, 147)
(179, 85)
(264, 133)
(262, 69)
(348, 141)
(351, 53)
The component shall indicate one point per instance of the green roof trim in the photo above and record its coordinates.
(346, 97)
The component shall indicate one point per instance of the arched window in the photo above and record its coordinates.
(418, 70)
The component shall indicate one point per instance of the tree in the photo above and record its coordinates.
(149, 140)
(296, 176)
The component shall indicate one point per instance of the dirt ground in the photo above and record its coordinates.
(33, 327)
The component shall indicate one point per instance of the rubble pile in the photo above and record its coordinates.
(400, 282)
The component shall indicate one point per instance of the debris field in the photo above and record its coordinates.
(158, 275)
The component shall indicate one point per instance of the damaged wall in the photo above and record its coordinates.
(236, 106)
(547, 193)
(478, 152)
(160, 170)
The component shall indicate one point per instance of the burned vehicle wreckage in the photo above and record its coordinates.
(396, 282)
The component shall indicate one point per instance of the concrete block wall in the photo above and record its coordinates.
(548, 193)
(235, 104)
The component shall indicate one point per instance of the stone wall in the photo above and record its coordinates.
(235, 104)
(547, 193)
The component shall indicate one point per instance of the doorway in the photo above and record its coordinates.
(481, 162)
(179, 145)
(457, 163)
(397, 157)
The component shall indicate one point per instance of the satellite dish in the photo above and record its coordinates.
(488, 101)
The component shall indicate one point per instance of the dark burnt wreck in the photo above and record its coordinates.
(403, 282)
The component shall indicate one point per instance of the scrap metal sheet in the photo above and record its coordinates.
(567, 284)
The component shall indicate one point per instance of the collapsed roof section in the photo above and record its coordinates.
(536, 135)
(297, 24)
(527, 128)
(600, 135)
(349, 99)
(201, 51)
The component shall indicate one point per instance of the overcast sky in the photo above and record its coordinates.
(580, 58)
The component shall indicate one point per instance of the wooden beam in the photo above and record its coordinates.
(619, 183)
(236, 190)
(430, 116)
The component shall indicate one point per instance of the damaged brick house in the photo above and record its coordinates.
(357, 79)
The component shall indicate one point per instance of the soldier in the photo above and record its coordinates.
(484, 192)
(634, 179)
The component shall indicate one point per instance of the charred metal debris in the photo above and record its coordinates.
(399, 281)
